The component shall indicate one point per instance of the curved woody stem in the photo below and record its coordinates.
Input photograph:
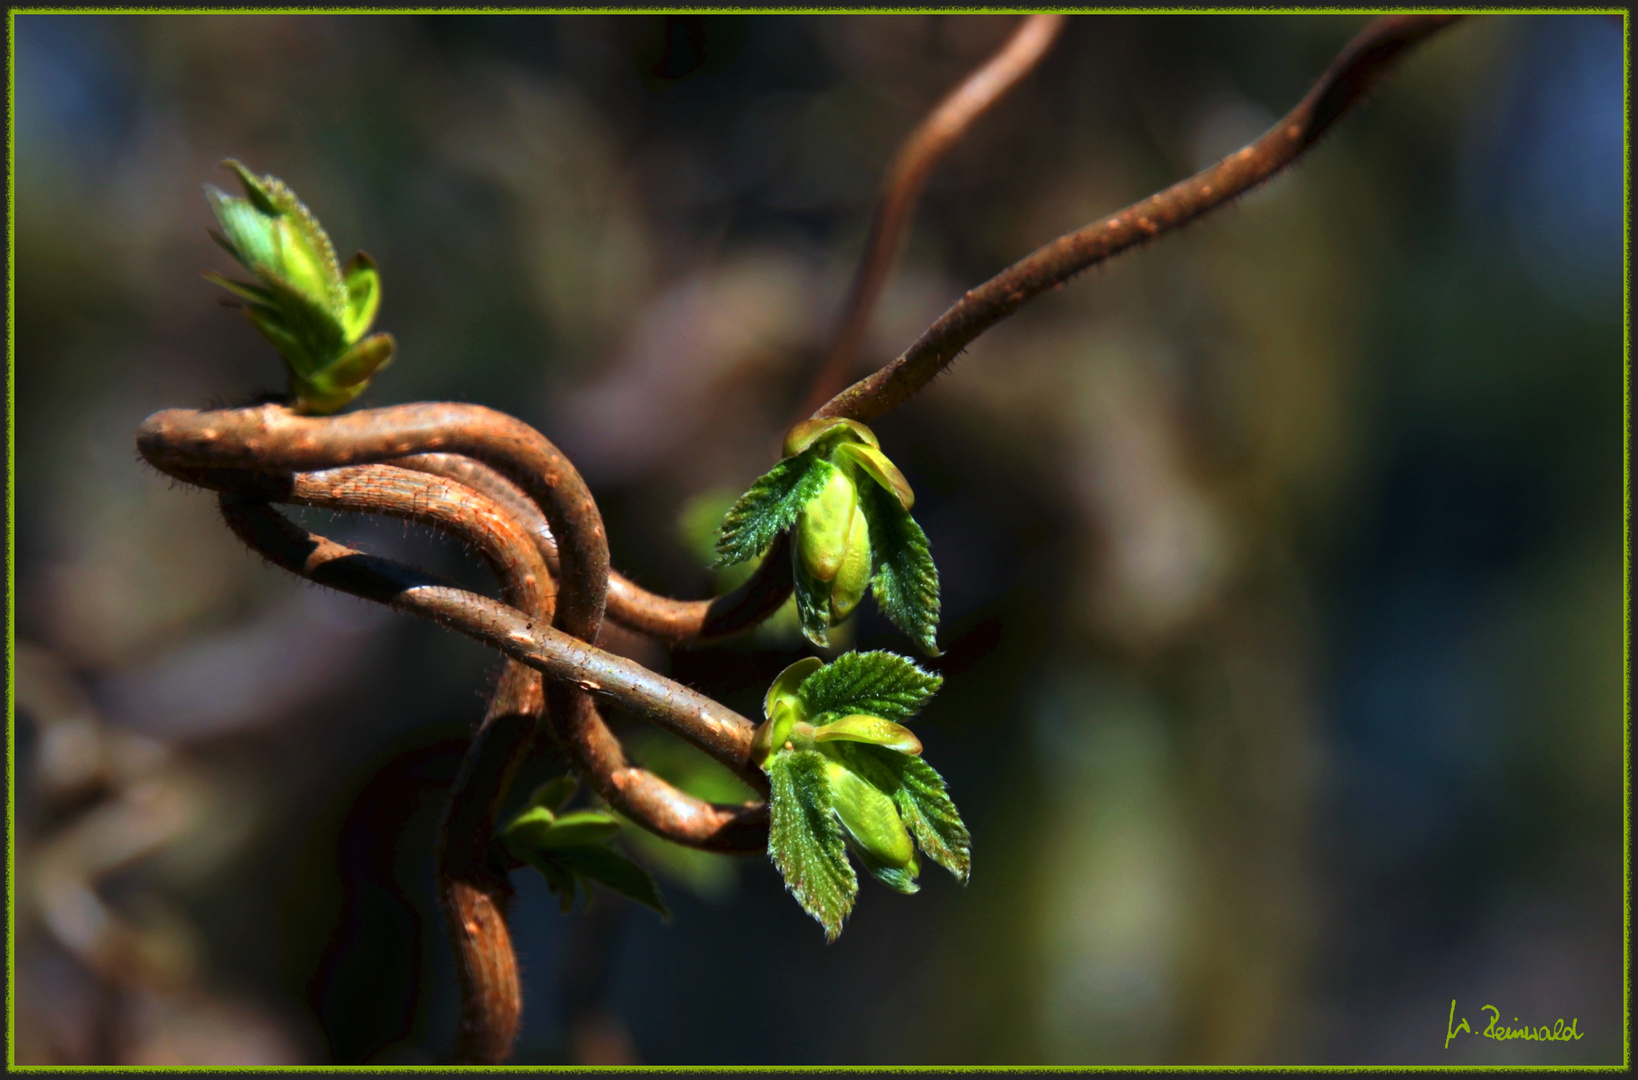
(679, 622)
(907, 176)
(1358, 68)
(501, 486)
(472, 893)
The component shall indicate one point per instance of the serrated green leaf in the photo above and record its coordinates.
(812, 605)
(608, 867)
(302, 252)
(805, 839)
(876, 683)
(770, 507)
(906, 581)
(869, 729)
(899, 878)
(926, 808)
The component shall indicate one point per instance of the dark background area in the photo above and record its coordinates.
(1282, 559)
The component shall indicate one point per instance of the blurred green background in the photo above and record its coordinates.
(1282, 559)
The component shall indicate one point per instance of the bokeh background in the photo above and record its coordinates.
(1282, 559)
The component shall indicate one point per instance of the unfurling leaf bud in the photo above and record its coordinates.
(844, 777)
(782, 707)
(311, 309)
(868, 815)
(849, 507)
(826, 526)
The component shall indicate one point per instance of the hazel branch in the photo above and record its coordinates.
(907, 175)
(629, 604)
(1358, 68)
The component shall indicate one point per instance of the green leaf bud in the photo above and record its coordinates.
(787, 686)
(868, 816)
(853, 579)
(312, 310)
(869, 729)
(826, 525)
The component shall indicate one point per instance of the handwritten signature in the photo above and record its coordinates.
(1559, 1032)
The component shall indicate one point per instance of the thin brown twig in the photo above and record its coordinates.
(1351, 75)
(907, 176)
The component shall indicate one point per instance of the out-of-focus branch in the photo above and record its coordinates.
(1351, 75)
(907, 176)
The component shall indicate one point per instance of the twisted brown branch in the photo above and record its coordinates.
(1354, 72)
(629, 604)
(715, 729)
(211, 448)
(907, 176)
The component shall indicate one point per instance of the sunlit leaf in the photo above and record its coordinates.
(805, 839)
(906, 581)
(876, 683)
(770, 507)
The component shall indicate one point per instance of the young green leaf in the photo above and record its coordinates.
(363, 282)
(874, 683)
(787, 685)
(523, 836)
(770, 507)
(554, 795)
(899, 878)
(812, 605)
(576, 829)
(805, 839)
(603, 864)
(927, 809)
(877, 466)
(906, 581)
